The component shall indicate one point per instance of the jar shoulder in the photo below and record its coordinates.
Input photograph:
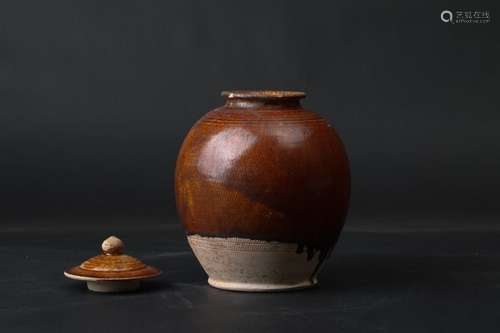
(249, 116)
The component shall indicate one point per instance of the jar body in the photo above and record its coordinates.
(262, 189)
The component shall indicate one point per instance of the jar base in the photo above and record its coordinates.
(242, 264)
(260, 287)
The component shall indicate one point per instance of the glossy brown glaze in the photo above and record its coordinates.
(262, 167)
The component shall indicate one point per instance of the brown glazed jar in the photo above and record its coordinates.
(262, 188)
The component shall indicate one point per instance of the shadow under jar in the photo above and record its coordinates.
(262, 188)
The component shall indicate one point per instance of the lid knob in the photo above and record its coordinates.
(112, 246)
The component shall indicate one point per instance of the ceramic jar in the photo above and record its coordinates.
(262, 188)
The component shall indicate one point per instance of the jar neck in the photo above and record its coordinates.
(263, 99)
(249, 103)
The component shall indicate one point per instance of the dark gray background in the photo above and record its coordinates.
(96, 97)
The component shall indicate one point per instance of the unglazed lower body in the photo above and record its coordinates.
(243, 264)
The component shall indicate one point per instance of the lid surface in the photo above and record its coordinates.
(112, 265)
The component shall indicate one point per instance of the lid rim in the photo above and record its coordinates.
(149, 272)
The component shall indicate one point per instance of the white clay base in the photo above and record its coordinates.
(113, 286)
(259, 287)
(242, 264)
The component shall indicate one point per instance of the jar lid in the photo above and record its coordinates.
(112, 271)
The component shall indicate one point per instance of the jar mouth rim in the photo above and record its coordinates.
(263, 94)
